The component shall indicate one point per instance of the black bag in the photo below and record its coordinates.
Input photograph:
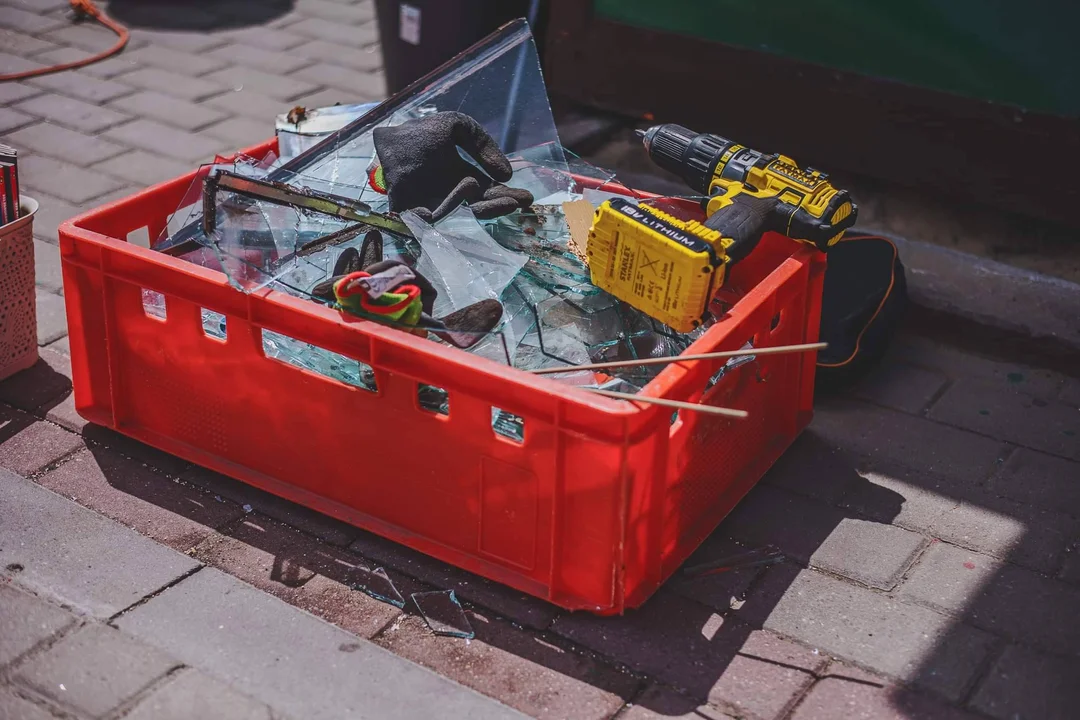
(864, 297)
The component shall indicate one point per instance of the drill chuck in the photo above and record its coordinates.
(690, 155)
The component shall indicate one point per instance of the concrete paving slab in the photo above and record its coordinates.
(43, 384)
(1002, 598)
(1048, 426)
(64, 180)
(903, 440)
(1009, 530)
(192, 694)
(82, 85)
(661, 703)
(539, 679)
(134, 495)
(51, 212)
(367, 59)
(901, 387)
(26, 620)
(1025, 685)
(250, 104)
(143, 168)
(260, 59)
(28, 445)
(276, 86)
(51, 317)
(14, 706)
(170, 110)
(87, 36)
(871, 553)
(72, 113)
(1041, 480)
(365, 85)
(699, 652)
(12, 119)
(171, 83)
(94, 669)
(291, 660)
(15, 18)
(835, 698)
(12, 92)
(76, 556)
(895, 638)
(13, 63)
(815, 468)
(956, 364)
(23, 45)
(108, 68)
(266, 38)
(59, 142)
(153, 137)
(1070, 569)
(900, 496)
(173, 60)
(764, 517)
(47, 270)
(184, 40)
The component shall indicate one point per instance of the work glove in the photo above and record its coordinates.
(366, 284)
(424, 172)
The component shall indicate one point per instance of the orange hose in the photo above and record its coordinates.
(84, 7)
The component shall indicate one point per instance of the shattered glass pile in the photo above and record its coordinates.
(552, 314)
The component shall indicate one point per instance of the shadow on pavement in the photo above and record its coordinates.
(942, 627)
(700, 636)
(196, 14)
(688, 637)
(36, 390)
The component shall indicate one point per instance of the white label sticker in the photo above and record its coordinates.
(409, 21)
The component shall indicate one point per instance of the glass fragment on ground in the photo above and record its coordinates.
(378, 585)
(444, 614)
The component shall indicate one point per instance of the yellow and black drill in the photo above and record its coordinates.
(669, 268)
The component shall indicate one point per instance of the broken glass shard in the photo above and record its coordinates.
(461, 260)
(443, 613)
(378, 585)
(318, 360)
(552, 314)
(508, 424)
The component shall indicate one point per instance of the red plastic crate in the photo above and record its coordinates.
(594, 510)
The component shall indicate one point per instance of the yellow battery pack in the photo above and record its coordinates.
(663, 266)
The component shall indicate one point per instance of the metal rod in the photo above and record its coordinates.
(775, 350)
(325, 203)
(697, 407)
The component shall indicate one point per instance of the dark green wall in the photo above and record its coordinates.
(1021, 52)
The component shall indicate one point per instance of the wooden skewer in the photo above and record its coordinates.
(775, 350)
(697, 407)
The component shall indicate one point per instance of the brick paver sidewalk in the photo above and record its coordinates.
(171, 100)
(930, 519)
(99, 621)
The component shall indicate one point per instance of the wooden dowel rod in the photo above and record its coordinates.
(697, 407)
(776, 350)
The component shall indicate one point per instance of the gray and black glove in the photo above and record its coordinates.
(423, 169)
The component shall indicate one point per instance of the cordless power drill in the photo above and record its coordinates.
(670, 268)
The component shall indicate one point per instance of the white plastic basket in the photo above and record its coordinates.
(18, 303)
